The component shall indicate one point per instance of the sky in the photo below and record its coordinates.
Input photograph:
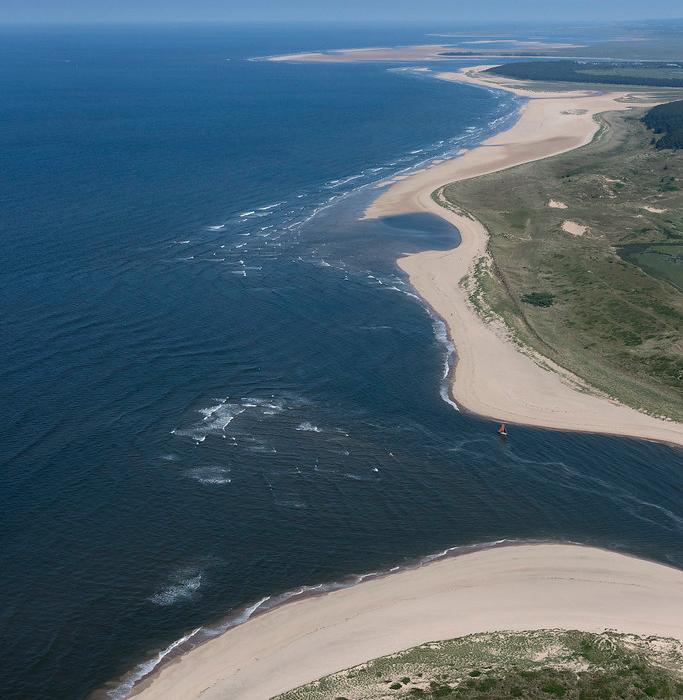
(334, 10)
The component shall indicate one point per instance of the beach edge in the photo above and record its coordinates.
(492, 376)
(513, 586)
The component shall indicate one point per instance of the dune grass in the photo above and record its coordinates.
(540, 664)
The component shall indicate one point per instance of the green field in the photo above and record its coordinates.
(636, 72)
(606, 305)
(502, 665)
(655, 74)
(661, 41)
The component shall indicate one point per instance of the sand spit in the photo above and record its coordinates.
(426, 52)
(508, 588)
(493, 376)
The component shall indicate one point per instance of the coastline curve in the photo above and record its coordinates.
(515, 588)
(493, 377)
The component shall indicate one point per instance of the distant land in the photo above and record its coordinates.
(651, 74)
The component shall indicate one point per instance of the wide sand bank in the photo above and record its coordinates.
(509, 588)
(493, 377)
(420, 52)
(424, 52)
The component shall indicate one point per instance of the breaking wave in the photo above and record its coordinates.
(216, 476)
(181, 588)
(309, 428)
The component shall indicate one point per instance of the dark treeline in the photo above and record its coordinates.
(667, 119)
(577, 72)
(493, 52)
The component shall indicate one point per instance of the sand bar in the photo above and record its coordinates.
(493, 377)
(508, 588)
(421, 52)
(424, 52)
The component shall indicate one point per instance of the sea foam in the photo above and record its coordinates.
(215, 476)
(181, 588)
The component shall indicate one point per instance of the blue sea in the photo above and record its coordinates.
(218, 390)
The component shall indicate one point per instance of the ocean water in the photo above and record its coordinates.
(217, 388)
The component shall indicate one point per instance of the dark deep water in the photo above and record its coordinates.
(210, 397)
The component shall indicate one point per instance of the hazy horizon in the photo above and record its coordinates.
(237, 11)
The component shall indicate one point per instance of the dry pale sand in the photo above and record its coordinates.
(493, 377)
(554, 204)
(574, 228)
(510, 588)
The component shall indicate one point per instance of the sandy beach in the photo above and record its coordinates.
(507, 588)
(493, 377)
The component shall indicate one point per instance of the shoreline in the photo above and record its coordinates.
(214, 687)
(492, 377)
(505, 586)
(137, 678)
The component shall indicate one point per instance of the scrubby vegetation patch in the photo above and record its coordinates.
(541, 664)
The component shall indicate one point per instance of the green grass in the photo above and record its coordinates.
(656, 74)
(608, 305)
(635, 72)
(541, 664)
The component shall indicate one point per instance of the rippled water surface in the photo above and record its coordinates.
(216, 385)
